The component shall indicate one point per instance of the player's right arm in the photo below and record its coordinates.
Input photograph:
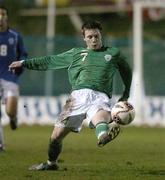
(61, 61)
(126, 75)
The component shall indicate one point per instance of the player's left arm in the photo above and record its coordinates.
(126, 75)
(21, 53)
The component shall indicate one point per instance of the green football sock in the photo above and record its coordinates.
(54, 150)
(101, 128)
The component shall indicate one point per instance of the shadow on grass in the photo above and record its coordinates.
(153, 172)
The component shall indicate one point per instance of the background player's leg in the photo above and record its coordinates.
(1, 132)
(11, 111)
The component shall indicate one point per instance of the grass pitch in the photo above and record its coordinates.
(137, 153)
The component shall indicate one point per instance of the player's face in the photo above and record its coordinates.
(3, 20)
(93, 39)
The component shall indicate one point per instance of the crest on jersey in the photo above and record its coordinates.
(11, 41)
(108, 57)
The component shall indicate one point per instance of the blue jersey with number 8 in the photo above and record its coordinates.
(11, 48)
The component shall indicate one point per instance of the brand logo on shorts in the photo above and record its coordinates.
(108, 57)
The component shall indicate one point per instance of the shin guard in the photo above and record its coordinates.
(54, 150)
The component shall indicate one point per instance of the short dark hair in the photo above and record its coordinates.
(5, 8)
(90, 24)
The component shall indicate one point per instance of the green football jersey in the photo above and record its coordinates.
(93, 69)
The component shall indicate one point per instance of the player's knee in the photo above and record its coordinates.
(101, 116)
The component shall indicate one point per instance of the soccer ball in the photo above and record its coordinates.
(123, 113)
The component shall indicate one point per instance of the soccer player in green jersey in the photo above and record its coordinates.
(91, 71)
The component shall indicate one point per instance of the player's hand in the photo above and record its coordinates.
(14, 66)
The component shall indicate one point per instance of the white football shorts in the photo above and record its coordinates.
(8, 89)
(82, 104)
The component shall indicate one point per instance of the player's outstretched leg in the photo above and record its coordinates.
(106, 133)
(54, 150)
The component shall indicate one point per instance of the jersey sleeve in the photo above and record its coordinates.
(21, 50)
(60, 61)
(21, 53)
(126, 75)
